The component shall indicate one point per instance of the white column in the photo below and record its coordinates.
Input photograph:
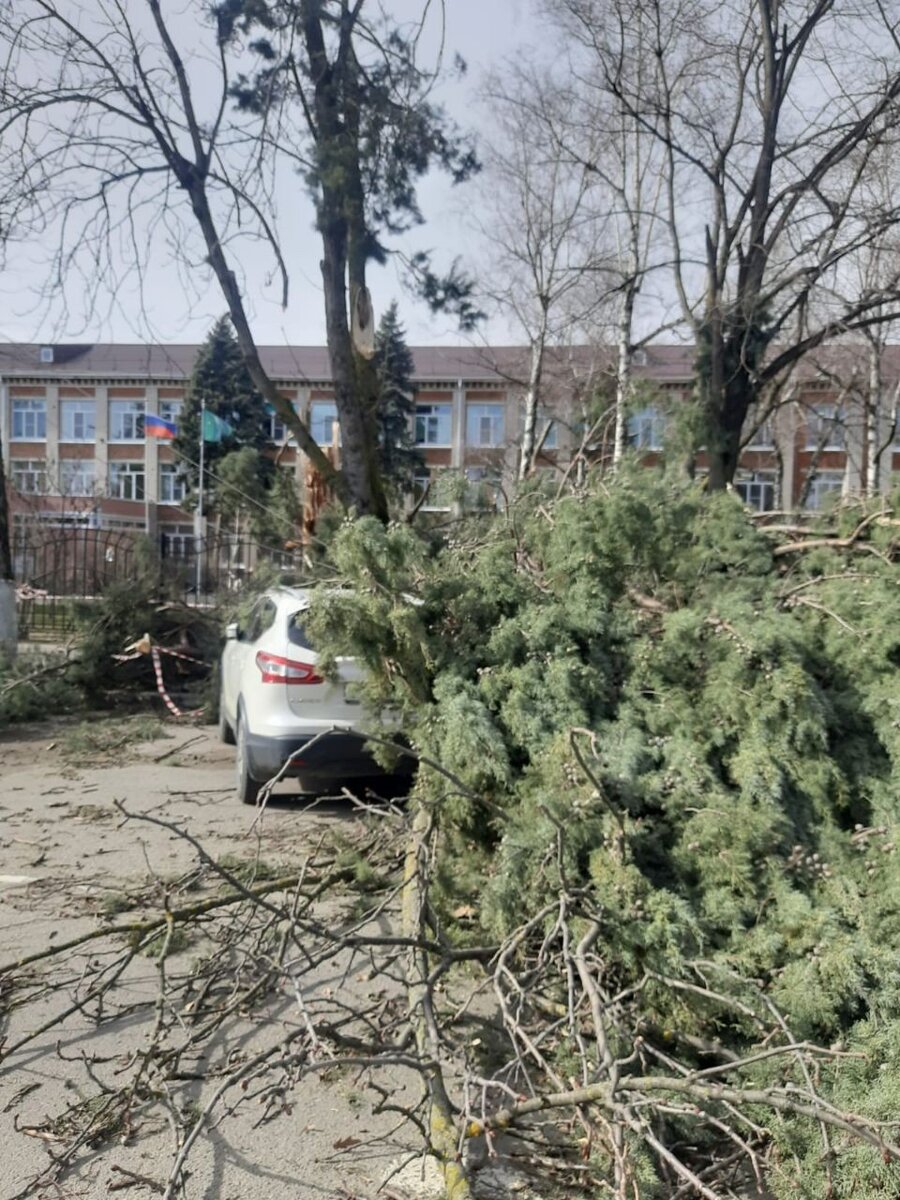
(5, 423)
(151, 464)
(51, 445)
(101, 439)
(458, 436)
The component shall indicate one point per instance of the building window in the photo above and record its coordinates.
(77, 420)
(757, 491)
(172, 484)
(484, 490)
(29, 476)
(434, 424)
(825, 428)
(647, 429)
(126, 480)
(323, 423)
(126, 421)
(29, 420)
(484, 425)
(277, 430)
(170, 410)
(549, 440)
(762, 437)
(177, 541)
(76, 477)
(437, 498)
(825, 485)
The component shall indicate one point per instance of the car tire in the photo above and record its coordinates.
(247, 787)
(226, 733)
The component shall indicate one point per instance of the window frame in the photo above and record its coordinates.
(551, 441)
(497, 422)
(650, 418)
(315, 417)
(814, 419)
(435, 412)
(171, 410)
(136, 409)
(77, 466)
(756, 479)
(28, 406)
(276, 424)
(120, 469)
(765, 430)
(815, 490)
(29, 467)
(169, 471)
(76, 408)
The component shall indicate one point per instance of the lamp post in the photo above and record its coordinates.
(199, 530)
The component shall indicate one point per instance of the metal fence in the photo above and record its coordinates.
(61, 572)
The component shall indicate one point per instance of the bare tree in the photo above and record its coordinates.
(545, 233)
(576, 206)
(126, 127)
(768, 119)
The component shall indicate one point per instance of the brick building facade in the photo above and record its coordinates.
(71, 420)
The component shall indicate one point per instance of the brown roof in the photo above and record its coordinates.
(433, 364)
(444, 364)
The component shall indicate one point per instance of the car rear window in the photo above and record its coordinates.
(297, 635)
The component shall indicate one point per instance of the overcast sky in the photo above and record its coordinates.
(484, 32)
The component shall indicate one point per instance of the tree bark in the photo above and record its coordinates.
(6, 562)
(8, 618)
(623, 371)
(532, 397)
(342, 226)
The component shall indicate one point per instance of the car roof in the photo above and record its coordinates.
(289, 595)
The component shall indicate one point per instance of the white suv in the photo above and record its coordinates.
(273, 703)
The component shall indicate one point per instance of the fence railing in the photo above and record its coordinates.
(58, 571)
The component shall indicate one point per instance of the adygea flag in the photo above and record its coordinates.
(155, 426)
(213, 428)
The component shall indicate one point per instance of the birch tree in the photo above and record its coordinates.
(769, 119)
(548, 266)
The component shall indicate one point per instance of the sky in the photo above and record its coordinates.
(484, 32)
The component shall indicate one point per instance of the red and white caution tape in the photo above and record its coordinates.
(145, 646)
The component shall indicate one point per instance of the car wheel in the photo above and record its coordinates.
(226, 733)
(248, 788)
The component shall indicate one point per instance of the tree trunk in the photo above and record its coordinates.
(6, 563)
(8, 619)
(873, 424)
(623, 373)
(358, 440)
(727, 362)
(341, 221)
(532, 398)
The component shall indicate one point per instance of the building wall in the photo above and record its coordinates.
(480, 439)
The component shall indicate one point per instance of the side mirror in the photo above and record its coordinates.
(232, 632)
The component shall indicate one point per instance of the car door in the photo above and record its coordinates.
(235, 656)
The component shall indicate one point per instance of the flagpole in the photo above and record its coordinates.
(200, 495)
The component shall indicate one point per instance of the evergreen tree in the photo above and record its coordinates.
(396, 403)
(220, 379)
(687, 728)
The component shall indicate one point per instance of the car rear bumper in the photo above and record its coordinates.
(334, 757)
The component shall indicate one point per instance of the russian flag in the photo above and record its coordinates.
(156, 427)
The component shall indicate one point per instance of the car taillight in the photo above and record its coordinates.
(285, 670)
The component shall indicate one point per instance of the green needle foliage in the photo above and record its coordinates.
(395, 411)
(655, 709)
(221, 381)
